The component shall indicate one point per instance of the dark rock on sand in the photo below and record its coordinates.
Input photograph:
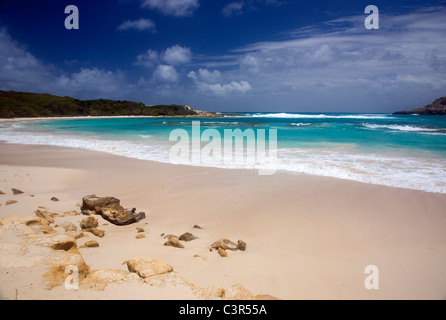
(16, 191)
(54, 199)
(197, 227)
(9, 202)
(187, 237)
(111, 210)
(90, 244)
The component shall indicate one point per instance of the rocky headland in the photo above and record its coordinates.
(438, 107)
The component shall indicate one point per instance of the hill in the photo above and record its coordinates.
(438, 107)
(23, 104)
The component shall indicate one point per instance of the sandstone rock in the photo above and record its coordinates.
(97, 232)
(9, 202)
(187, 237)
(70, 213)
(139, 230)
(224, 244)
(54, 199)
(16, 191)
(89, 223)
(68, 226)
(222, 252)
(110, 209)
(91, 244)
(147, 267)
(140, 236)
(174, 242)
(1, 192)
(238, 292)
(45, 215)
(169, 236)
(212, 293)
(75, 234)
(99, 279)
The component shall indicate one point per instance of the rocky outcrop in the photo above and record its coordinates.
(147, 267)
(174, 242)
(110, 209)
(225, 244)
(438, 107)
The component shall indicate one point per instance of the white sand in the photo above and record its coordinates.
(307, 237)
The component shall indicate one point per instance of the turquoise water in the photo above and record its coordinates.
(405, 151)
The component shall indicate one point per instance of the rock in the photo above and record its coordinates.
(198, 256)
(68, 226)
(238, 292)
(241, 245)
(187, 237)
(174, 242)
(75, 234)
(89, 223)
(70, 213)
(1, 192)
(91, 244)
(224, 244)
(97, 232)
(110, 209)
(16, 191)
(54, 199)
(169, 236)
(147, 267)
(197, 227)
(438, 107)
(99, 279)
(139, 230)
(45, 215)
(140, 236)
(9, 202)
(222, 252)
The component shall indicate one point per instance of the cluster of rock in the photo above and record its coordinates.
(110, 209)
(225, 244)
(14, 192)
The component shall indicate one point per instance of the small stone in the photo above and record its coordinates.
(90, 244)
(54, 199)
(75, 234)
(187, 237)
(222, 252)
(89, 223)
(1, 192)
(139, 230)
(174, 242)
(97, 232)
(68, 226)
(241, 245)
(162, 234)
(44, 215)
(16, 191)
(9, 202)
(71, 213)
(197, 227)
(170, 236)
(140, 236)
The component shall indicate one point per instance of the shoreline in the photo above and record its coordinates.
(308, 237)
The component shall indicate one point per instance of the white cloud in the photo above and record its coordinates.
(166, 73)
(225, 89)
(233, 8)
(173, 7)
(140, 25)
(148, 59)
(205, 75)
(177, 55)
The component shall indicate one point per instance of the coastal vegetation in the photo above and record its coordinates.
(28, 105)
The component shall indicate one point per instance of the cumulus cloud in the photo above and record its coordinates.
(166, 73)
(173, 7)
(207, 81)
(177, 55)
(140, 25)
(148, 59)
(233, 8)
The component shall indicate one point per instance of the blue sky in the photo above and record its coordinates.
(236, 55)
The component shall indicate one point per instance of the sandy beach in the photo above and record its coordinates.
(307, 237)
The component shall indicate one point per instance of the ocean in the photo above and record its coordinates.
(405, 151)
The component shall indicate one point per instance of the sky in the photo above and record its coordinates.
(229, 55)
